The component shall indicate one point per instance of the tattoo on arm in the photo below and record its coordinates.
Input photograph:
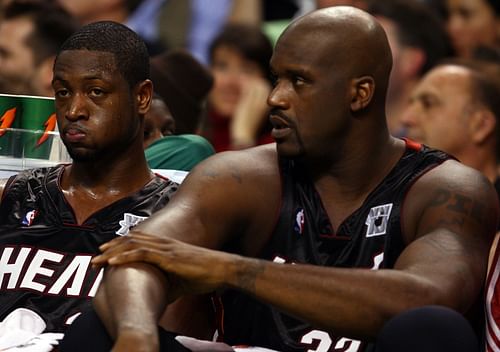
(251, 274)
(459, 204)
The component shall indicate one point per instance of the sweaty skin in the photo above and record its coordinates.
(331, 71)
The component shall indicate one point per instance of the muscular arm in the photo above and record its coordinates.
(449, 227)
(449, 223)
(215, 189)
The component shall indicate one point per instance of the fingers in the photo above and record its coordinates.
(121, 245)
(142, 254)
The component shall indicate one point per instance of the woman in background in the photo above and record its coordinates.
(472, 24)
(237, 104)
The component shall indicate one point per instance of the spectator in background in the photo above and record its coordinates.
(181, 84)
(163, 149)
(31, 32)
(193, 24)
(456, 108)
(237, 109)
(472, 24)
(131, 13)
(159, 122)
(91, 11)
(418, 41)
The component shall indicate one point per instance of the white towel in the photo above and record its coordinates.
(22, 331)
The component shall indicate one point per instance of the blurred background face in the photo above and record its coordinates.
(437, 114)
(158, 122)
(17, 63)
(230, 70)
(88, 11)
(471, 23)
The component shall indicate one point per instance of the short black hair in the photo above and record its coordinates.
(128, 49)
(417, 26)
(52, 25)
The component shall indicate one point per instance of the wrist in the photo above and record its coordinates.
(245, 273)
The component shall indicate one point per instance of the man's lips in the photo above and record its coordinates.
(281, 125)
(74, 134)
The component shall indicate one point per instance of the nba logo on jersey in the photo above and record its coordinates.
(129, 220)
(377, 220)
(29, 217)
(299, 221)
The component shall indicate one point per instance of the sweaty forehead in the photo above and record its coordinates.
(91, 62)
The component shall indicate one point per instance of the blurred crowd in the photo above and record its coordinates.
(210, 58)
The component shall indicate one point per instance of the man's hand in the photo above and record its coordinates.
(251, 112)
(190, 269)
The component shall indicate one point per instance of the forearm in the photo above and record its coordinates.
(132, 298)
(351, 302)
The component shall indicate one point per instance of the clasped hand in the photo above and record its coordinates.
(193, 269)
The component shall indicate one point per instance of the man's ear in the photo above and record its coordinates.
(362, 92)
(482, 124)
(144, 95)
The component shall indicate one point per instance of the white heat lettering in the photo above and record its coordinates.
(97, 281)
(36, 268)
(47, 272)
(76, 270)
(14, 269)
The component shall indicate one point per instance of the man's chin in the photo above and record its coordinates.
(82, 156)
(289, 150)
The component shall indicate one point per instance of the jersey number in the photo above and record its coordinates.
(325, 342)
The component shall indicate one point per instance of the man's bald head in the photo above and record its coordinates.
(346, 38)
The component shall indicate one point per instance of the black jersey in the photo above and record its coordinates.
(369, 238)
(45, 255)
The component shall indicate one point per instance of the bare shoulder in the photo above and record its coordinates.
(454, 196)
(456, 175)
(246, 167)
(231, 193)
